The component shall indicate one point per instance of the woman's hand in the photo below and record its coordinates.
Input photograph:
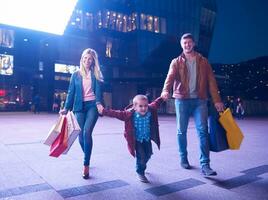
(63, 111)
(100, 108)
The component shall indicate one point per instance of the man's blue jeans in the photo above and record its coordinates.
(87, 120)
(198, 108)
(143, 154)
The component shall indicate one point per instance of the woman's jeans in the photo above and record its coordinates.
(198, 108)
(87, 119)
(143, 154)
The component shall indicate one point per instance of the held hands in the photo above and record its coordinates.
(219, 106)
(164, 95)
(100, 108)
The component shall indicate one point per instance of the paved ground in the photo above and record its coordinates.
(27, 172)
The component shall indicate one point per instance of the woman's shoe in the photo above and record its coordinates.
(85, 176)
(86, 172)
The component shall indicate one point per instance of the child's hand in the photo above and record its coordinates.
(100, 108)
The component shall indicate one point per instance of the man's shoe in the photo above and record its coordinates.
(207, 171)
(142, 178)
(185, 164)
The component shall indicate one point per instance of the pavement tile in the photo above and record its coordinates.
(27, 172)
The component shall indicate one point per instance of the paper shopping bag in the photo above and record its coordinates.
(233, 132)
(73, 130)
(61, 143)
(54, 131)
(217, 134)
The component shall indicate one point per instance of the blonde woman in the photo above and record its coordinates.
(84, 98)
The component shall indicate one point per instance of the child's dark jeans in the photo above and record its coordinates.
(143, 154)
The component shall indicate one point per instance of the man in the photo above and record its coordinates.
(192, 78)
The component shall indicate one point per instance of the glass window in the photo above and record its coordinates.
(6, 38)
(106, 18)
(112, 22)
(76, 20)
(99, 21)
(119, 22)
(109, 45)
(163, 25)
(6, 64)
(134, 21)
(125, 23)
(207, 18)
(143, 21)
(150, 22)
(129, 24)
(115, 48)
(63, 68)
(89, 21)
(156, 24)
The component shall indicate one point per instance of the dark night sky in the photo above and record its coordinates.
(241, 31)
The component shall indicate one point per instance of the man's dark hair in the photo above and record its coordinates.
(187, 36)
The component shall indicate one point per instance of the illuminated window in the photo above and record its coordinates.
(156, 24)
(6, 38)
(125, 22)
(61, 78)
(6, 64)
(143, 21)
(99, 21)
(112, 22)
(106, 18)
(109, 46)
(77, 19)
(119, 22)
(134, 21)
(149, 21)
(89, 21)
(66, 69)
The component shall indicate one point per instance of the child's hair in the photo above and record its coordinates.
(139, 97)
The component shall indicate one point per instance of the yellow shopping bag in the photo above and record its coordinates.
(233, 132)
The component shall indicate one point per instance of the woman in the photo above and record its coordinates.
(84, 98)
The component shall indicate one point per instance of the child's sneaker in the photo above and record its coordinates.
(142, 178)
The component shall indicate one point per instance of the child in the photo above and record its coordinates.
(141, 126)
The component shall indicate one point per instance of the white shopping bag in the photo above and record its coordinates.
(54, 131)
(73, 130)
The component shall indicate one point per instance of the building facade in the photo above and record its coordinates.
(135, 40)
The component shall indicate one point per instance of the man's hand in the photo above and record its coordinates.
(100, 108)
(164, 95)
(219, 106)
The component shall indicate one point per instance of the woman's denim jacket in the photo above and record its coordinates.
(74, 100)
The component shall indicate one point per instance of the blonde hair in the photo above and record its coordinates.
(95, 66)
(138, 98)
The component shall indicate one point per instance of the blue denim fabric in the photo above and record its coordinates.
(143, 154)
(87, 119)
(198, 108)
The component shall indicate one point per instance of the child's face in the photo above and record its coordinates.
(141, 107)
